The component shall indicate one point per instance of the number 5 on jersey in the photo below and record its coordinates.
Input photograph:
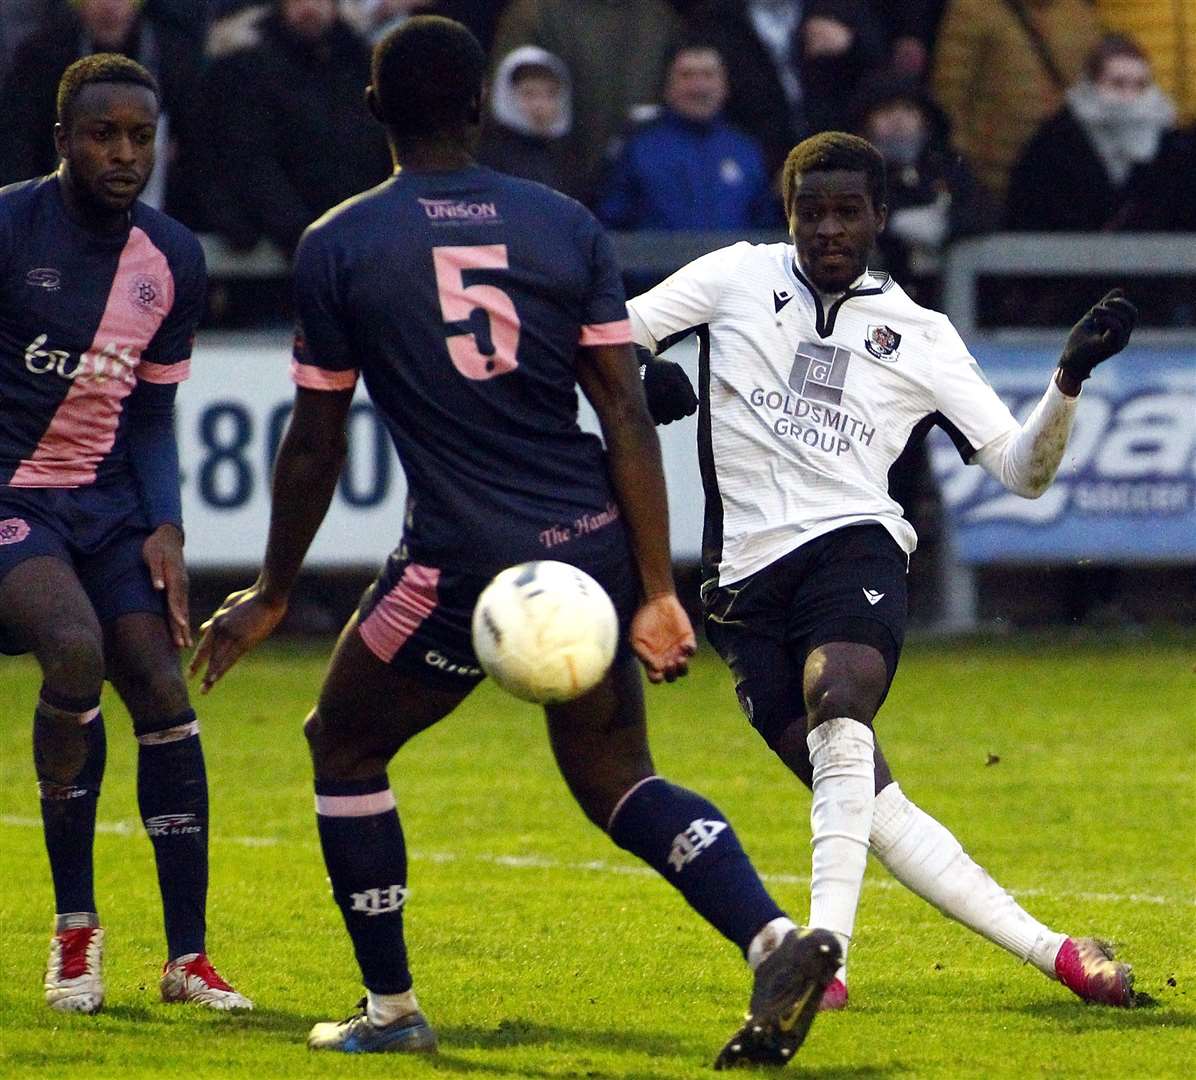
(461, 303)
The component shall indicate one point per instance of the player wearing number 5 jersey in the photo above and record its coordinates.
(99, 297)
(816, 374)
(473, 305)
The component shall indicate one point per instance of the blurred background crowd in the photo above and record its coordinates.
(1040, 115)
(1055, 116)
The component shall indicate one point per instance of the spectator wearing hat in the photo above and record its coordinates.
(531, 113)
(615, 50)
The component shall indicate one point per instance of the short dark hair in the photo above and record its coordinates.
(427, 76)
(1109, 46)
(100, 68)
(831, 150)
(693, 42)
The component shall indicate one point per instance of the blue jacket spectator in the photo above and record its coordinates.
(689, 168)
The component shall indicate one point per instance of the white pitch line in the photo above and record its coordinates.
(598, 866)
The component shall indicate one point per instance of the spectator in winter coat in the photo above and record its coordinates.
(1166, 31)
(1000, 68)
(289, 125)
(1085, 168)
(531, 112)
(18, 19)
(689, 168)
(794, 64)
(933, 196)
(615, 51)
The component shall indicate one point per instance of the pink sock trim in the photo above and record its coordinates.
(376, 802)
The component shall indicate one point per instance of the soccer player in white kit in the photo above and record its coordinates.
(815, 374)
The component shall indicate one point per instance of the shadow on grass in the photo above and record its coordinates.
(452, 1063)
(1148, 1013)
(179, 1021)
(516, 1033)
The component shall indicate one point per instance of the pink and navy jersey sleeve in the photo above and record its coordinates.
(323, 357)
(606, 321)
(167, 357)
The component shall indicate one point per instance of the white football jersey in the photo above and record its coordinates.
(803, 410)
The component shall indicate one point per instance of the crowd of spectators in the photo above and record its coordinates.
(659, 114)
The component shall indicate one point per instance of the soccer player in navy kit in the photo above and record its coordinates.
(473, 304)
(99, 297)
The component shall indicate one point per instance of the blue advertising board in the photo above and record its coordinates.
(1126, 490)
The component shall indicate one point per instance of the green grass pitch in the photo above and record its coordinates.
(540, 950)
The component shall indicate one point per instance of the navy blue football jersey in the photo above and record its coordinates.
(461, 298)
(83, 319)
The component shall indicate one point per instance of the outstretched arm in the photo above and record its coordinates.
(305, 475)
(660, 633)
(1025, 460)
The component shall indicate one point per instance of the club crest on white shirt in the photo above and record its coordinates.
(883, 342)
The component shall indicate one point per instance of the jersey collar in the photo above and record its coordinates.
(826, 306)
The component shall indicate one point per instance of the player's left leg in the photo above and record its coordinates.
(600, 744)
(172, 795)
(367, 710)
(847, 612)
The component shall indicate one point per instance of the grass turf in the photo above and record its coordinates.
(540, 950)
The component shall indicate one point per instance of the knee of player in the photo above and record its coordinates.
(165, 692)
(312, 729)
(72, 655)
(844, 694)
(331, 756)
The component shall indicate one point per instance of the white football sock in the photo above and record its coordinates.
(920, 853)
(770, 935)
(383, 1009)
(840, 821)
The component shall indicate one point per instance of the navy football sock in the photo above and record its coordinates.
(366, 858)
(69, 778)
(172, 793)
(686, 840)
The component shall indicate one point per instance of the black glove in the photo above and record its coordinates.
(1102, 333)
(668, 389)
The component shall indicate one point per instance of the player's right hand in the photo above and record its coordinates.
(669, 392)
(663, 638)
(1103, 332)
(240, 624)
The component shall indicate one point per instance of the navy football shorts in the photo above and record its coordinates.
(416, 618)
(98, 530)
(849, 585)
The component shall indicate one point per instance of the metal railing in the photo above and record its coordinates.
(1061, 255)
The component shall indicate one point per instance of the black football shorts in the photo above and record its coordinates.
(99, 530)
(849, 585)
(417, 618)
